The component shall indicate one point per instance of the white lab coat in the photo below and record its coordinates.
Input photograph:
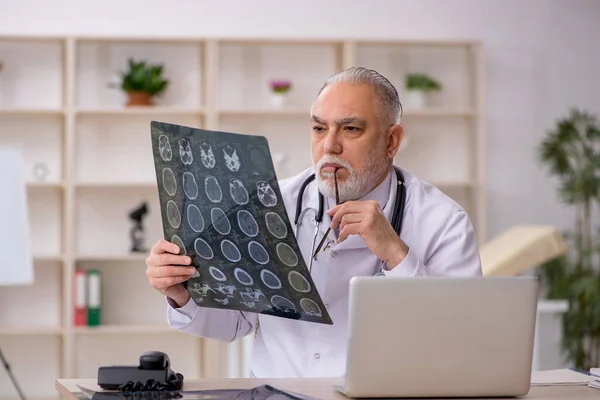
(441, 242)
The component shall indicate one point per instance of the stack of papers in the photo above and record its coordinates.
(560, 377)
(595, 381)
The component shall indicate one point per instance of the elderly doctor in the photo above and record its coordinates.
(355, 132)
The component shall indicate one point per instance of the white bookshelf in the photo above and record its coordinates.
(56, 106)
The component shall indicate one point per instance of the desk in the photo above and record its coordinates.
(321, 388)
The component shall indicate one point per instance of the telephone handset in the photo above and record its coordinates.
(153, 373)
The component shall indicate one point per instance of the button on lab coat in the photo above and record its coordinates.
(441, 242)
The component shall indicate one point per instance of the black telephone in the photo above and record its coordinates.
(153, 373)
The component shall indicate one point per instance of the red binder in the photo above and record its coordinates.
(79, 298)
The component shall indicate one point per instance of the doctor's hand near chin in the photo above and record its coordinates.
(366, 219)
(167, 270)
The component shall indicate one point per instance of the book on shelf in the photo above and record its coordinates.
(87, 297)
(79, 298)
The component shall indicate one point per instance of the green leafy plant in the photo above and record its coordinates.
(422, 82)
(572, 153)
(141, 77)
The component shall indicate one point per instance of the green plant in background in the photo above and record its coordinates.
(142, 82)
(421, 82)
(572, 153)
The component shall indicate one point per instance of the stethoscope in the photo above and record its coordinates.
(397, 216)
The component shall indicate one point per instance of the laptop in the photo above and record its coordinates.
(440, 337)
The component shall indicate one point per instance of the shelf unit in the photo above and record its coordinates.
(56, 106)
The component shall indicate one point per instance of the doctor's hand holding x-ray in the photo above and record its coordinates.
(382, 221)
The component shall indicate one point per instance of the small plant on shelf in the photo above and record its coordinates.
(280, 86)
(418, 85)
(142, 82)
(279, 90)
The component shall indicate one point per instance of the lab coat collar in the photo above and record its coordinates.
(385, 194)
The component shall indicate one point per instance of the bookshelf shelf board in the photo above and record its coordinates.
(116, 185)
(48, 258)
(45, 185)
(125, 111)
(32, 111)
(123, 329)
(237, 112)
(30, 331)
(111, 257)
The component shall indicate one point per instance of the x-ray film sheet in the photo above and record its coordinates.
(220, 202)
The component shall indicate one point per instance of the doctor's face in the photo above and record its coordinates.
(349, 134)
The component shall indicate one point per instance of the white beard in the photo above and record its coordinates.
(359, 182)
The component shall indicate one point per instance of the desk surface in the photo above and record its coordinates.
(321, 388)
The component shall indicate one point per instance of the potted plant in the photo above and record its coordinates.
(279, 91)
(572, 153)
(142, 82)
(418, 86)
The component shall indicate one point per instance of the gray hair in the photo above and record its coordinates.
(386, 93)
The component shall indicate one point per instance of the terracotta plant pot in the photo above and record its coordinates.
(139, 99)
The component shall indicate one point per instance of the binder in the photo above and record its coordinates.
(79, 298)
(94, 297)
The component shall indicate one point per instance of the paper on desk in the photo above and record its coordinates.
(559, 377)
(595, 381)
(262, 392)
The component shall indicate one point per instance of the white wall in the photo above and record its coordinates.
(542, 58)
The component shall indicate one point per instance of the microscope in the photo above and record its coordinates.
(137, 233)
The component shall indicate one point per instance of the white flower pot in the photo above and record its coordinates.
(278, 100)
(417, 99)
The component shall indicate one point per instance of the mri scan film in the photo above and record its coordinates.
(221, 204)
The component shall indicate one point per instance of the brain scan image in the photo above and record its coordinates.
(247, 223)
(190, 187)
(203, 249)
(266, 194)
(217, 274)
(243, 277)
(298, 282)
(220, 203)
(258, 252)
(176, 240)
(232, 160)
(169, 181)
(207, 157)
(310, 307)
(238, 192)
(173, 214)
(283, 304)
(220, 221)
(164, 148)
(230, 251)
(213, 189)
(269, 279)
(194, 218)
(275, 225)
(185, 152)
(286, 254)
